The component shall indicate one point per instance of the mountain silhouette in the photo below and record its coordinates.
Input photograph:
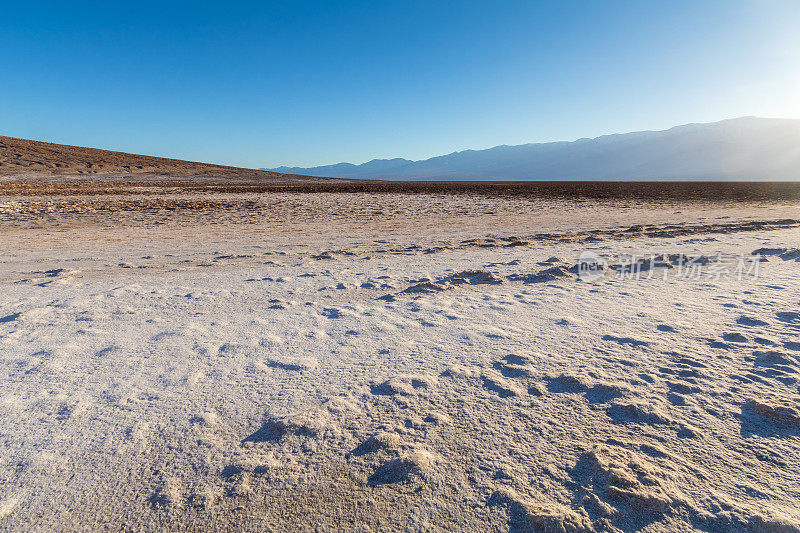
(747, 148)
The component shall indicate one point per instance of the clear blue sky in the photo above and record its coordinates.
(307, 83)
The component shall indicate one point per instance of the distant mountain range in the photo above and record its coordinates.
(747, 148)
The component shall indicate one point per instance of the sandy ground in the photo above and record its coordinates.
(361, 361)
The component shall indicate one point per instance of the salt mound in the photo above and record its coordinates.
(168, 495)
(379, 441)
(786, 417)
(322, 421)
(497, 383)
(403, 385)
(415, 464)
(293, 363)
(605, 392)
(522, 359)
(525, 515)
(638, 412)
(567, 383)
(460, 371)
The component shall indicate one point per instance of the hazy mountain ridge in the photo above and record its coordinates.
(747, 148)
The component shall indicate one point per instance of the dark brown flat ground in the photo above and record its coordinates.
(154, 184)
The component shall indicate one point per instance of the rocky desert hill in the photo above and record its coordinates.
(35, 159)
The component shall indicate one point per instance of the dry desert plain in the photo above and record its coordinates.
(333, 356)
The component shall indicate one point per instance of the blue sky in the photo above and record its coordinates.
(307, 83)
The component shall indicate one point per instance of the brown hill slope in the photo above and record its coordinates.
(26, 159)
